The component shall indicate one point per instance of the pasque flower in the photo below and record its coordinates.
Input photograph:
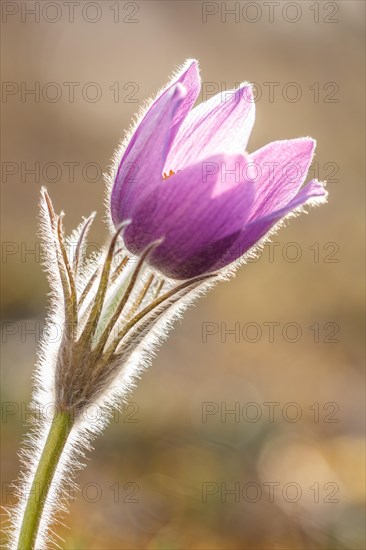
(189, 201)
(185, 177)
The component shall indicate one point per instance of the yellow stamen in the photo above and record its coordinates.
(166, 176)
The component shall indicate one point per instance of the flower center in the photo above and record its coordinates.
(166, 176)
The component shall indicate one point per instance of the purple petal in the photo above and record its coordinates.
(141, 167)
(189, 77)
(201, 204)
(312, 193)
(279, 170)
(221, 125)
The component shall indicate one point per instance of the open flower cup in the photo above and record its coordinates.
(186, 178)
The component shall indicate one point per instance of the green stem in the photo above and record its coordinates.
(59, 431)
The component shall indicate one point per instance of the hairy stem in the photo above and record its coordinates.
(59, 431)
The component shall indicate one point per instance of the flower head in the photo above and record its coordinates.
(185, 178)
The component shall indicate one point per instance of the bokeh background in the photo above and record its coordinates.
(161, 475)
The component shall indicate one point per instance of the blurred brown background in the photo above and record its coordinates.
(296, 466)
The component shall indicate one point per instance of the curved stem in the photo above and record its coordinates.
(59, 431)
